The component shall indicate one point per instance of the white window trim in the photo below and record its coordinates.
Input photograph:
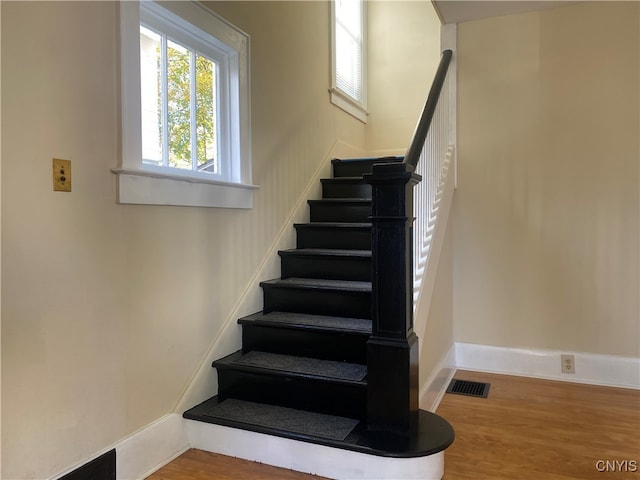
(144, 184)
(338, 97)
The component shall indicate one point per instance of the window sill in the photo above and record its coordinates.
(142, 187)
(349, 105)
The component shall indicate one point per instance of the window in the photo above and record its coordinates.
(178, 90)
(348, 89)
(185, 108)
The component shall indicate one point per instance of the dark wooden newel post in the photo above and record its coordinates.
(392, 351)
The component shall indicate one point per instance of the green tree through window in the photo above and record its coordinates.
(179, 106)
(187, 100)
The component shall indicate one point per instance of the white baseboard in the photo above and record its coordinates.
(608, 370)
(144, 452)
(152, 447)
(310, 458)
(436, 385)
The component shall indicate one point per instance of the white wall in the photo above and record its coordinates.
(109, 310)
(546, 246)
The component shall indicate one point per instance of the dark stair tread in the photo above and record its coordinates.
(340, 201)
(344, 225)
(310, 322)
(333, 235)
(352, 167)
(356, 179)
(319, 260)
(346, 187)
(275, 417)
(368, 159)
(326, 252)
(293, 366)
(433, 434)
(319, 284)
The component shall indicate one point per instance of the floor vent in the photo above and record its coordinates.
(471, 389)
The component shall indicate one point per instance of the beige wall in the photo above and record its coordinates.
(0, 246)
(109, 310)
(404, 51)
(546, 212)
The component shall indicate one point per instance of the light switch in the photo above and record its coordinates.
(61, 175)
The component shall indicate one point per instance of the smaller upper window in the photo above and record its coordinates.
(349, 86)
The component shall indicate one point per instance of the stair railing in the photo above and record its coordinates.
(432, 162)
(392, 350)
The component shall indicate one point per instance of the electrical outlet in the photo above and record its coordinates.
(568, 363)
(61, 175)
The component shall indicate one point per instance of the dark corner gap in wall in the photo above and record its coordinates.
(100, 468)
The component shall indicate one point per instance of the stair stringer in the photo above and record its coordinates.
(204, 382)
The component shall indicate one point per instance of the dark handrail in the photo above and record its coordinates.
(412, 157)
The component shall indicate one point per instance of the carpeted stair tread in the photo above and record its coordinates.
(432, 435)
(282, 418)
(320, 283)
(321, 252)
(321, 322)
(357, 225)
(389, 159)
(340, 201)
(351, 167)
(305, 366)
(354, 179)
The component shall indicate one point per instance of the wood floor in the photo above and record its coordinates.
(199, 465)
(526, 429)
(539, 429)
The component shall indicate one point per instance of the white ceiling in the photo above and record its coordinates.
(456, 11)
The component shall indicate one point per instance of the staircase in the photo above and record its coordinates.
(302, 371)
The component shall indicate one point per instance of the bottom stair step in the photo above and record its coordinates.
(433, 434)
(265, 416)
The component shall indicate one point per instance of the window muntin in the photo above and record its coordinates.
(183, 53)
(178, 105)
